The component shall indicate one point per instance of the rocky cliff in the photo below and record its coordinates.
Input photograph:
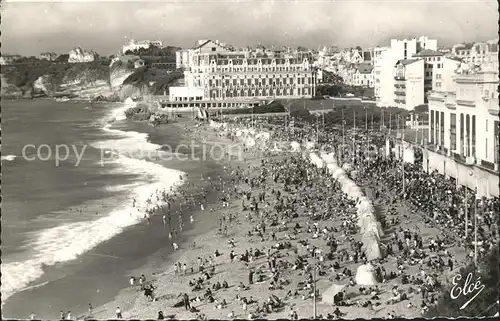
(119, 70)
(28, 80)
(94, 80)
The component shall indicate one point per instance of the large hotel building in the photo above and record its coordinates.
(216, 75)
(464, 125)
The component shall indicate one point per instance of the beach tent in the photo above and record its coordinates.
(408, 155)
(365, 275)
(371, 246)
(309, 145)
(347, 167)
(295, 146)
(328, 296)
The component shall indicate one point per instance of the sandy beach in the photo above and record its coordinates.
(297, 242)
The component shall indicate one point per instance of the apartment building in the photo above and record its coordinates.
(464, 116)
(409, 83)
(442, 76)
(225, 73)
(432, 61)
(385, 60)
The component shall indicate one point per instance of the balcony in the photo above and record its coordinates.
(492, 106)
(468, 103)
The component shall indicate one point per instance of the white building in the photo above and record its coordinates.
(224, 73)
(184, 58)
(363, 76)
(442, 76)
(186, 93)
(409, 83)
(477, 53)
(464, 118)
(386, 58)
(79, 55)
(144, 44)
(51, 56)
(433, 60)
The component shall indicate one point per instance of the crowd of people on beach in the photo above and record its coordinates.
(303, 229)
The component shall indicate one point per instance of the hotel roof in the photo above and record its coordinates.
(365, 68)
(405, 62)
(428, 53)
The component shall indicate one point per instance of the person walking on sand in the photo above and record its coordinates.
(191, 219)
(32, 316)
(90, 309)
(187, 305)
(119, 313)
(175, 246)
(68, 316)
(62, 315)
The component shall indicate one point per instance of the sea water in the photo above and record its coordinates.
(54, 214)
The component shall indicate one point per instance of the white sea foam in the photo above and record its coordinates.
(9, 158)
(67, 241)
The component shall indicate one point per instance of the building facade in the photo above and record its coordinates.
(80, 55)
(477, 53)
(409, 83)
(464, 119)
(50, 56)
(363, 76)
(442, 76)
(386, 58)
(143, 44)
(225, 73)
(432, 61)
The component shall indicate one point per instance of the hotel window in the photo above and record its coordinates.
(436, 127)
(467, 135)
(473, 140)
(497, 142)
(432, 127)
(462, 141)
(441, 124)
(453, 131)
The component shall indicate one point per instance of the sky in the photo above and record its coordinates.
(33, 27)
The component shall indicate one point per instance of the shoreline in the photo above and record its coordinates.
(202, 218)
(94, 256)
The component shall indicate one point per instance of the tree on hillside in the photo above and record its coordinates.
(62, 58)
(166, 52)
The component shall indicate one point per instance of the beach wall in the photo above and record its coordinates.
(487, 182)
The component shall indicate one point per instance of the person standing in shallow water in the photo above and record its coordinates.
(119, 313)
